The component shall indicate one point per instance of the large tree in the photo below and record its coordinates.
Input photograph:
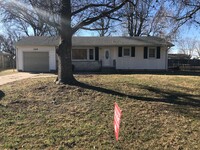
(104, 26)
(187, 46)
(30, 17)
(160, 17)
(7, 43)
(145, 17)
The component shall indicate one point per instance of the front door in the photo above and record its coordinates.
(107, 58)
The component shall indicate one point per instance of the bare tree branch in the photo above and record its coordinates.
(91, 5)
(88, 21)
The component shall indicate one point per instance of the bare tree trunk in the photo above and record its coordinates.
(65, 74)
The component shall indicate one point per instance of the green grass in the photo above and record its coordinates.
(7, 72)
(158, 112)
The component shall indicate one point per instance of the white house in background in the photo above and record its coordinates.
(38, 54)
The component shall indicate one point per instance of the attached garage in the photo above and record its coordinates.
(36, 61)
(37, 54)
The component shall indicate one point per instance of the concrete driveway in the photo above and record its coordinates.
(21, 75)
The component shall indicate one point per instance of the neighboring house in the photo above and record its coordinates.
(179, 56)
(5, 60)
(94, 53)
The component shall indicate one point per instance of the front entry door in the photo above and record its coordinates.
(107, 58)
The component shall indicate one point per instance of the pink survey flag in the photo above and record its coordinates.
(117, 117)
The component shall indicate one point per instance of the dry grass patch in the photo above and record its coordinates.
(7, 72)
(159, 112)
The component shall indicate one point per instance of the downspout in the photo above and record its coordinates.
(166, 59)
(17, 63)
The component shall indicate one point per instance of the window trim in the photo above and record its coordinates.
(88, 54)
(129, 51)
(155, 50)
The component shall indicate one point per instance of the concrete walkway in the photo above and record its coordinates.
(21, 75)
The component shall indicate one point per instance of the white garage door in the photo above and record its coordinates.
(36, 61)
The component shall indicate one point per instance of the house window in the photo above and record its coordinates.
(91, 54)
(152, 52)
(83, 54)
(79, 54)
(126, 52)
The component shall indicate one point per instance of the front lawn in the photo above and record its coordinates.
(158, 112)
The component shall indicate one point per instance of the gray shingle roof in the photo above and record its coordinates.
(95, 41)
(38, 41)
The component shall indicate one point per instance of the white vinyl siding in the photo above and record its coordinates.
(138, 62)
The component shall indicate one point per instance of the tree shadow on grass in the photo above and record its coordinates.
(170, 97)
(182, 103)
(174, 97)
(2, 94)
(128, 72)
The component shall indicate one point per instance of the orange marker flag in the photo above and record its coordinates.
(117, 118)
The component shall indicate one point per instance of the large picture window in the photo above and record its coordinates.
(82, 54)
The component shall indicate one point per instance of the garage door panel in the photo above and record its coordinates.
(36, 61)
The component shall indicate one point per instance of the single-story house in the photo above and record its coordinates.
(5, 61)
(38, 54)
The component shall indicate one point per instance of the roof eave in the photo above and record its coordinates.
(99, 45)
